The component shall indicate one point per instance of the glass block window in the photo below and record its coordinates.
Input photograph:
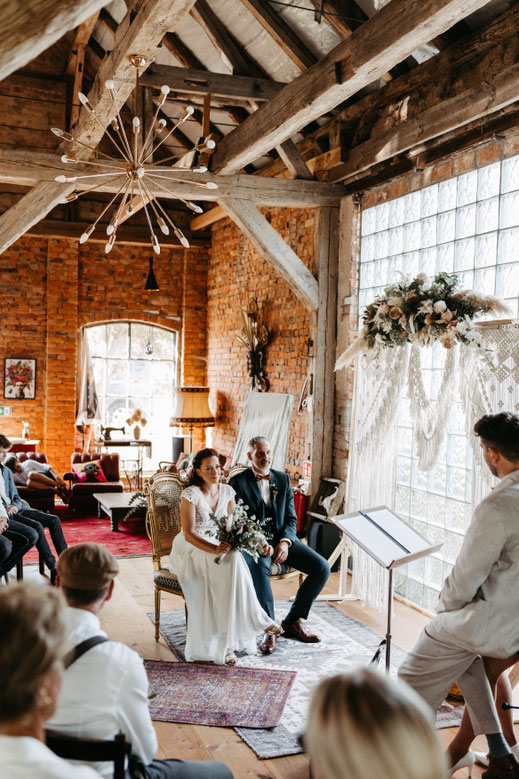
(468, 225)
(127, 379)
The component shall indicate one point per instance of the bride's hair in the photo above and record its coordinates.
(203, 454)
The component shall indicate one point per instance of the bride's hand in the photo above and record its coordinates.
(222, 548)
(267, 550)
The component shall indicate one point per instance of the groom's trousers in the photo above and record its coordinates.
(431, 668)
(303, 559)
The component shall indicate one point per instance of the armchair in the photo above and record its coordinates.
(37, 499)
(81, 498)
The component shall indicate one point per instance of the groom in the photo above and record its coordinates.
(268, 494)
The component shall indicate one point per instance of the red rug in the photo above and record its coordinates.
(217, 695)
(130, 541)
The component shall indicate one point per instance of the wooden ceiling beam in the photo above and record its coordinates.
(141, 34)
(32, 26)
(274, 249)
(127, 234)
(296, 165)
(281, 32)
(386, 39)
(225, 42)
(76, 65)
(203, 82)
(25, 168)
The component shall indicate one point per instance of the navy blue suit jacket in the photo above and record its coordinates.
(281, 501)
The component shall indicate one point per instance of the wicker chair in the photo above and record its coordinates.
(162, 525)
(277, 570)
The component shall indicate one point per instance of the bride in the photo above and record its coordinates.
(224, 613)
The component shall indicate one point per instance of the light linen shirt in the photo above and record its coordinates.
(23, 756)
(103, 692)
(29, 466)
(479, 604)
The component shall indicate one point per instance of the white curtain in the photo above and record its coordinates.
(87, 401)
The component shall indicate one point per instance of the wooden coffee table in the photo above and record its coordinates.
(116, 505)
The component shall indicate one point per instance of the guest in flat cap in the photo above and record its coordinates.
(105, 687)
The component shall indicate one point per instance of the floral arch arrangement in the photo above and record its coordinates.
(422, 311)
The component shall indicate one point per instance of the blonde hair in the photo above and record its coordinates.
(31, 644)
(363, 724)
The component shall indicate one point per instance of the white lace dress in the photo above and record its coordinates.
(224, 612)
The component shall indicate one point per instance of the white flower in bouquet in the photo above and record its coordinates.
(238, 530)
(440, 306)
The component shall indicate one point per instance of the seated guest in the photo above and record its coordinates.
(36, 475)
(363, 725)
(34, 519)
(105, 689)
(15, 540)
(31, 669)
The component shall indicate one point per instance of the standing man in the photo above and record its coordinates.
(268, 494)
(479, 603)
(105, 687)
(33, 519)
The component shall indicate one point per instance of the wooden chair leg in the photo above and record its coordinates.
(157, 613)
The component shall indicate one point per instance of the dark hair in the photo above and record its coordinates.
(4, 442)
(11, 461)
(203, 454)
(78, 598)
(500, 432)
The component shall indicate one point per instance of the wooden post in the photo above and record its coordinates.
(324, 345)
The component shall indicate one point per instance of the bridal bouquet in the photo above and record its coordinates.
(238, 530)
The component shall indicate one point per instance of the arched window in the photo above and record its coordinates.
(135, 367)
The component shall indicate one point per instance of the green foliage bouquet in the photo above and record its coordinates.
(239, 530)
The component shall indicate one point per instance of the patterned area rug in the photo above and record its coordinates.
(217, 694)
(130, 541)
(346, 643)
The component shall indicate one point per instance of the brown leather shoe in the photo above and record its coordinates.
(296, 631)
(502, 768)
(269, 644)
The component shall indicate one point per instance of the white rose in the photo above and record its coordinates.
(421, 277)
(440, 306)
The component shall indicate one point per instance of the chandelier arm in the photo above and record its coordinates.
(182, 119)
(146, 212)
(120, 127)
(185, 202)
(100, 164)
(165, 213)
(149, 135)
(200, 184)
(109, 134)
(103, 212)
(151, 199)
(121, 207)
(92, 148)
(94, 176)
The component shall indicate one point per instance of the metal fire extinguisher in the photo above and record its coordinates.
(300, 507)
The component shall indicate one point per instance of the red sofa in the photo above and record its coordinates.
(81, 491)
(37, 499)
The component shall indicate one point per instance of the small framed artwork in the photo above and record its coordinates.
(328, 501)
(20, 378)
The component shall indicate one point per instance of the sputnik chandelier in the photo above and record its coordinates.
(133, 170)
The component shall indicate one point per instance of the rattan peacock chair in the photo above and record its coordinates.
(162, 525)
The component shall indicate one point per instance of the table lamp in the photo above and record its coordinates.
(191, 409)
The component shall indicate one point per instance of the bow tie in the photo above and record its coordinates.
(259, 477)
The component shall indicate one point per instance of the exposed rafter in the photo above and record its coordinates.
(282, 33)
(393, 33)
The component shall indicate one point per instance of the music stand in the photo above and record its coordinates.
(389, 541)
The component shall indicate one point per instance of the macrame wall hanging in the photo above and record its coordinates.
(387, 353)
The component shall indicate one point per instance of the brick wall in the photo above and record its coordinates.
(56, 286)
(236, 274)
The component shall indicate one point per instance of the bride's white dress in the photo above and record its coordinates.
(224, 613)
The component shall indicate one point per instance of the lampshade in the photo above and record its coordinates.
(192, 407)
(151, 281)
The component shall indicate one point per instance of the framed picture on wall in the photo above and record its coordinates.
(20, 378)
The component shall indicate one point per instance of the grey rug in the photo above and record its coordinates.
(346, 643)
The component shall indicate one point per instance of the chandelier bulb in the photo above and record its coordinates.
(136, 122)
(86, 235)
(165, 89)
(182, 238)
(109, 229)
(209, 143)
(109, 84)
(141, 172)
(161, 124)
(82, 98)
(200, 169)
(64, 158)
(194, 207)
(129, 209)
(163, 226)
(60, 179)
(155, 243)
(109, 245)
(190, 110)
(211, 185)
(57, 131)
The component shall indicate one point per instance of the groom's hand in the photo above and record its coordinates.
(281, 552)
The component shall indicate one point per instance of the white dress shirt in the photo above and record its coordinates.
(479, 604)
(103, 692)
(23, 756)
(264, 488)
(29, 466)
